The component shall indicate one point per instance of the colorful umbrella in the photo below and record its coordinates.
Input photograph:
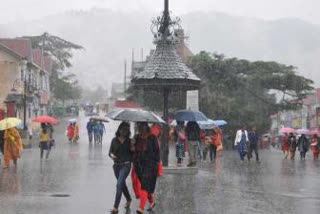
(287, 130)
(45, 119)
(9, 122)
(303, 131)
(193, 116)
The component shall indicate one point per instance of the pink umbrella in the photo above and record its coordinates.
(314, 131)
(45, 119)
(303, 131)
(287, 130)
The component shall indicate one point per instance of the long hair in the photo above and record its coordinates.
(123, 125)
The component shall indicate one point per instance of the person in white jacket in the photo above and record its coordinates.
(242, 141)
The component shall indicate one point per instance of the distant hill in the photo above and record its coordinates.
(108, 38)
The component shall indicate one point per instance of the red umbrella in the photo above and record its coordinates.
(45, 119)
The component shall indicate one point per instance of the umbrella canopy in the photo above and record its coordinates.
(287, 130)
(193, 116)
(220, 122)
(134, 115)
(73, 120)
(45, 119)
(303, 131)
(103, 119)
(9, 122)
(205, 125)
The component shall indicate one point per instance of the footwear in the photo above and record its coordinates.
(139, 212)
(151, 206)
(128, 204)
(114, 211)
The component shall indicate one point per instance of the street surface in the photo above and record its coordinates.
(78, 179)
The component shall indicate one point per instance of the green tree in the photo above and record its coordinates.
(60, 51)
(247, 93)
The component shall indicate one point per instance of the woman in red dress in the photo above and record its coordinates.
(315, 147)
(285, 145)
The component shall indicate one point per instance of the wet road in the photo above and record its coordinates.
(83, 174)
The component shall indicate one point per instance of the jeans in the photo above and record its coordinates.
(121, 171)
(213, 152)
(90, 134)
(303, 155)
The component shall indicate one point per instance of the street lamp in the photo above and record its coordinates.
(17, 81)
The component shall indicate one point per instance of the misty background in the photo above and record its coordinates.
(287, 31)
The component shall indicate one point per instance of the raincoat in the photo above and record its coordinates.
(12, 145)
(70, 132)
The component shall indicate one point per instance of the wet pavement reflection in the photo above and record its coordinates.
(79, 179)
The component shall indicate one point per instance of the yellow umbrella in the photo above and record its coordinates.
(9, 123)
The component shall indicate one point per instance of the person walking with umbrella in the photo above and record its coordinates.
(292, 141)
(193, 137)
(145, 161)
(315, 147)
(285, 146)
(121, 151)
(241, 141)
(102, 130)
(303, 146)
(12, 146)
(90, 130)
(180, 141)
(253, 144)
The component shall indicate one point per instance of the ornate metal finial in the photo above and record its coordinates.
(163, 27)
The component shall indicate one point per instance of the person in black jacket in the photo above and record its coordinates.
(145, 162)
(193, 136)
(121, 151)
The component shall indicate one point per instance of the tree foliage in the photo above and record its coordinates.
(247, 93)
(63, 86)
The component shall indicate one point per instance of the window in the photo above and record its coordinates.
(22, 75)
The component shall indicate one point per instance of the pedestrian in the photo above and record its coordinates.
(90, 130)
(303, 146)
(180, 141)
(253, 144)
(205, 141)
(12, 146)
(218, 139)
(315, 147)
(102, 130)
(193, 137)
(285, 146)
(76, 133)
(213, 145)
(44, 143)
(96, 133)
(241, 141)
(146, 160)
(121, 151)
(292, 141)
(1, 144)
(70, 132)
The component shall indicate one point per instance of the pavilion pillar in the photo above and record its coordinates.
(165, 135)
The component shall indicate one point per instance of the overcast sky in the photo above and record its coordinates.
(16, 10)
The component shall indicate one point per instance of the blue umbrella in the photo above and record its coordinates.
(193, 116)
(209, 124)
(220, 122)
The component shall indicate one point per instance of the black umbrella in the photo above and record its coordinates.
(134, 115)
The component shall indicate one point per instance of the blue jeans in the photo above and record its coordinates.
(121, 171)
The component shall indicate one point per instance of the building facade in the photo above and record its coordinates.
(24, 79)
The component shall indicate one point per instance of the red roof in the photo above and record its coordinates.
(126, 104)
(22, 47)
